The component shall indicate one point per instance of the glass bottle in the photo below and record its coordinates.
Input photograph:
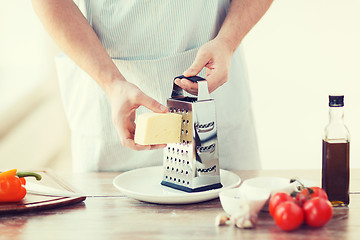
(335, 154)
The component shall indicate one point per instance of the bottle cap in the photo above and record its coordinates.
(336, 101)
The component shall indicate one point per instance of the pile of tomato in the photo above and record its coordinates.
(310, 206)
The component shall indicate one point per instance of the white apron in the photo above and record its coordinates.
(151, 42)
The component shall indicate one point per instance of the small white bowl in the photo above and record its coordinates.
(271, 184)
(236, 199)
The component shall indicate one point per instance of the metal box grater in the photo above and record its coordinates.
(193, 164)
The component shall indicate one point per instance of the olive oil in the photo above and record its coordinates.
(335, 172)
(336, 155)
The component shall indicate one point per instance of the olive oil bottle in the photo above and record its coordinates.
(336, 154)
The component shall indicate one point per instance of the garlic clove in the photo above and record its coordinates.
(221, 220)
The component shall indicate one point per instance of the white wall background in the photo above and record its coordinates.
(299, 53)
(26, 51)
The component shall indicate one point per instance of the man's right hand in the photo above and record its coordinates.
(125, 98)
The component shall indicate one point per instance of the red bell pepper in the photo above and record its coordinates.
(12, 185)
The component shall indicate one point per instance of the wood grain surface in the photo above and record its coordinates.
(110, 215)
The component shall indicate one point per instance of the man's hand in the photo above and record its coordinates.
(125, 98)
(215, 55)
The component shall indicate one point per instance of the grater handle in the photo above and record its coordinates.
(203, 91)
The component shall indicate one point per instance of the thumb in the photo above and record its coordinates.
(152, 104)
(199, 63)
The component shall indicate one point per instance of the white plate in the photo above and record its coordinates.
(144, 184)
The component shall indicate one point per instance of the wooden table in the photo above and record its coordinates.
(110, 215)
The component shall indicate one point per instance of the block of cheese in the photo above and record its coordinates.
(158, 128)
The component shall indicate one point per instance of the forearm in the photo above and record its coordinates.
(241, 18)
(72, 32)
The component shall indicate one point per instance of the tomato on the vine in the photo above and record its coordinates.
(288, 215)
(308, 193)
(310, 205)
(319, 192)
(276, 199)
(318, 211)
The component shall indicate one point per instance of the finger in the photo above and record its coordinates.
(215, 80)
(132, 145)
(212, 83)
(152, 104)
(157, 146)
(187, 85)
(199, 63)
(127, 134)
(125, 128)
